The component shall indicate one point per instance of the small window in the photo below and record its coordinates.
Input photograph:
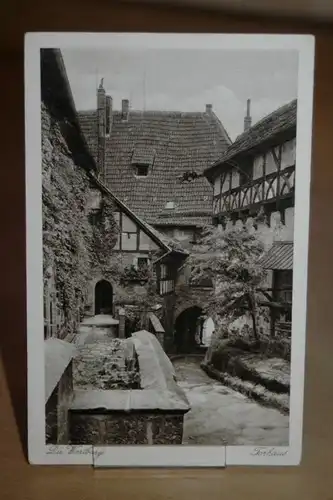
(163, 271)
(95, 217)
(170, 205)
(142, 170)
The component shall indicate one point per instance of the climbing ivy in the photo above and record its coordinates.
(131, 274)
(78, 243)
(104, 234)
(73, 247)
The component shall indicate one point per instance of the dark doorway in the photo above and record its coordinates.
(188, 330)
(103, 297)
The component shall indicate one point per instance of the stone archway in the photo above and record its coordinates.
(103, 297)
(188, 326)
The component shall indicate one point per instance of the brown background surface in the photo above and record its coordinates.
(314, 478)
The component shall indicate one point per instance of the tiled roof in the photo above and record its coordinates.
(184, 220)
(180, 142)
(143, 156)
(279, 257)
(57, 96)
(281, 120)
(161, 239)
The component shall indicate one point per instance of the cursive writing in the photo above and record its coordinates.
(263, 451)
(74, 450)
(68, 450)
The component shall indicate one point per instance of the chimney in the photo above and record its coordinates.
(108, 115)
(101, 101)
(209, 108)
(101, 120)
(124, 108)
(247, 119)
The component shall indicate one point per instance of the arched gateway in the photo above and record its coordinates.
(103, 297)
(188, 328)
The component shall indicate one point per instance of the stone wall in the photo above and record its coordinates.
(121, 294)
(276, 230)
(105, 363)
(65, 395)
(56, 409)
(273, 230)
(79, 259)
(68, 199)
(58, 356)
(153, 414)
(51, 418)
(125, 428)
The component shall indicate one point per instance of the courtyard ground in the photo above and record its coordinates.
(221, 415)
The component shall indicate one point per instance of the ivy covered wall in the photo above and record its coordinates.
(74, 246)
(79, 239)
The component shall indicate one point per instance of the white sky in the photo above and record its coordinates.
(186, 80)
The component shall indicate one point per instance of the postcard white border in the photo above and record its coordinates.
(159, 456)
(151, 456)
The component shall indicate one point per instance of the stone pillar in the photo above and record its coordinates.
(121, 327)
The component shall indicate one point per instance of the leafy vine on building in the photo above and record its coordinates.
(91, 239)
(73, 244)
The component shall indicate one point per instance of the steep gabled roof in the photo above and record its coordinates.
(270, 127)
(57, 98)
(171, 143)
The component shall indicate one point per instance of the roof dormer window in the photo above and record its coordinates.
(141, 170)
(142, 161)
(170, 205)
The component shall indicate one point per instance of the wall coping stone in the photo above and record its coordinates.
(57, 356)
(127, 401)
(156, 323)
(159, 389)
(156, 370)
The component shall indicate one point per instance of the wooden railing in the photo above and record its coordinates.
(277, 185)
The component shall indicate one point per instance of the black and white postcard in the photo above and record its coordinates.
(167, 200)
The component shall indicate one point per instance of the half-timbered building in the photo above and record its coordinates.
(257, 175)
(153, 161)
